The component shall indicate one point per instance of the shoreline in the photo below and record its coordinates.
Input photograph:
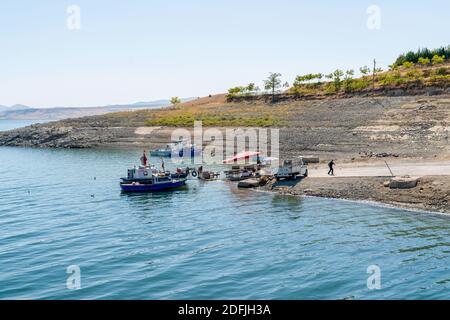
(431, 195)
(398, 206)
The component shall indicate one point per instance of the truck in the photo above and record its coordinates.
(292, 169)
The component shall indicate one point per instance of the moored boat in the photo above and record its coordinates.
(146, 178)
(177, 149)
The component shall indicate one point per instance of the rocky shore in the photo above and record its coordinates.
(431, 194)
(407, 127)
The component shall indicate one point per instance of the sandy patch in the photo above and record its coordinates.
(145, 130)
(379, 128)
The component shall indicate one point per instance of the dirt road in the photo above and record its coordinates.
(379, 169)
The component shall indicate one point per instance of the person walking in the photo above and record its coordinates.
(331, 166)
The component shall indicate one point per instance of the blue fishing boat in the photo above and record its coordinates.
(148, 179)
(177, 149)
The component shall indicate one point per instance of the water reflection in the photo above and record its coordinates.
(293, 203)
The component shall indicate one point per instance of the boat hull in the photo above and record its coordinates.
(170, 153)
(130, 187)
(161, 153)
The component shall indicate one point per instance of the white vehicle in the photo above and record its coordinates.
(291, 169)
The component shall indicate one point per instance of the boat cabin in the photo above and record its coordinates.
(141, 173)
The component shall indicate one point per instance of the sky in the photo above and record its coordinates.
(144, 50)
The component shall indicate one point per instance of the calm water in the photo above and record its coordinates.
(6, 125)
(207, 241)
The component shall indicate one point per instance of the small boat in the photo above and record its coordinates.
(239, 174)
(176, 148)
(147, 179)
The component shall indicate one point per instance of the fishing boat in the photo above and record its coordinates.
(178, 149)
(148, 179)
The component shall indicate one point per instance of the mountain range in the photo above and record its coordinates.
(23, 112)
(14, 107)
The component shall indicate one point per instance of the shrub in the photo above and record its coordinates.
(296, 90)
(438, 59)
(408, 64)
(414, 75)
(424, 61)
(175, 100)
(348, 80)
(360, 84)
(441, 71)
(234, 92)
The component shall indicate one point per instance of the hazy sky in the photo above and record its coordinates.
(129, 51)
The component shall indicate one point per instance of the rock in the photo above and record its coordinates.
(249, 183)
(386, 155)
(403, 183)
(264, 180)
(310, 159)
(427, 107)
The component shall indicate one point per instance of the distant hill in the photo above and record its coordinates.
(14, 107)
(22, 112)
(19, 107)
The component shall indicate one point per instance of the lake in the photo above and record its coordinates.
(62, 208)
(6, 125)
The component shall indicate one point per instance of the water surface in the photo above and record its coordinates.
(6, 125)
(207, 241)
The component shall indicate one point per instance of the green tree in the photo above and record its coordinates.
(337, 79)
(235, 91)
(175, 100)
(422, 53)
(251, 87)
(365, 71)
(273, 83)
(319, 77)
(348, 80)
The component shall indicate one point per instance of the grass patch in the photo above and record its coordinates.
(212, 117)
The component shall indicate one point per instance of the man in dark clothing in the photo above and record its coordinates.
(331, 166)
(144, 159)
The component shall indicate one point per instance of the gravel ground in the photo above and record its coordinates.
(431, 194)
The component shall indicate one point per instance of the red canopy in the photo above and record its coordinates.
(242, 156)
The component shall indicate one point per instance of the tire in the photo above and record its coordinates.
(194, 173)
